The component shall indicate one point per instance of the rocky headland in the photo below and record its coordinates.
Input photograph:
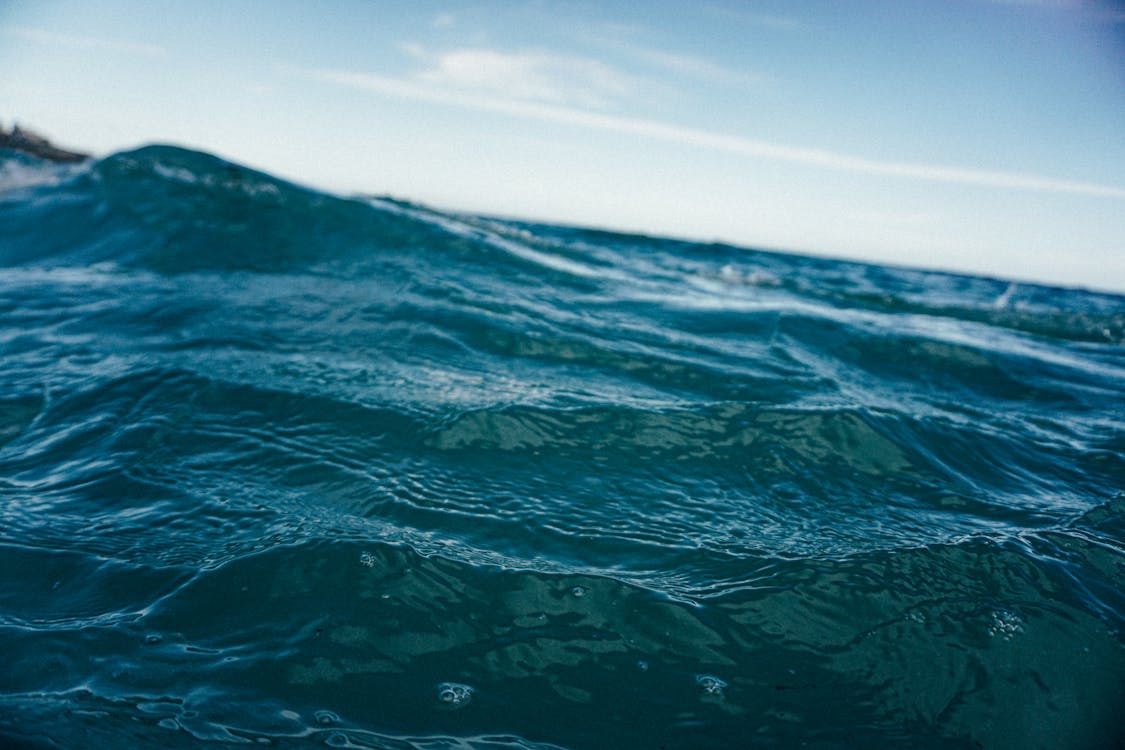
(33, 144)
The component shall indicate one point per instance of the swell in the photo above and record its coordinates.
(174, 211)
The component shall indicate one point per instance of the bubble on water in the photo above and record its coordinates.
(454, 694)
(337, 740)
(642, 665)
(367, 560)
(710, 684)
(153, 638)
(324, 718)
(578, 591)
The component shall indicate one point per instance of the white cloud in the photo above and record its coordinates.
(482, 91)
(444, 21)
(523, 76)
(73, 41)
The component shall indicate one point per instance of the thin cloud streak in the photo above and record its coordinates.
(72, 41)
(1091, 10)
(681, 64)
(405, 89)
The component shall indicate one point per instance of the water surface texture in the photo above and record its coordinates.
(281, 468)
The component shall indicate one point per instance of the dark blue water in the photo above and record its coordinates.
(285, 469)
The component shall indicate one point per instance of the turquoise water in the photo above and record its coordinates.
(283, 468)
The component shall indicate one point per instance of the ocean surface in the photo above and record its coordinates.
(285, 469)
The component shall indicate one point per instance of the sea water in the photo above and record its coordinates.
(289, 469)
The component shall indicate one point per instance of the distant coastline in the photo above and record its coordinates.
(33, 144)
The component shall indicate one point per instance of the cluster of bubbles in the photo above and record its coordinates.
(1006, 625)
(454, 694)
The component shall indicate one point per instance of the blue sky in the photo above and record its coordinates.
(978, 135)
